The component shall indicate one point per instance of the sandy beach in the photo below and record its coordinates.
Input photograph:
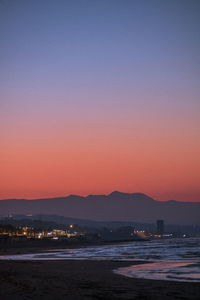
(76, 280)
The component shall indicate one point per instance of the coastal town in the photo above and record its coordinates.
(40, 233)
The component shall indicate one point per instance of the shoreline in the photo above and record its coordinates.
(84, 279)
(13, 250)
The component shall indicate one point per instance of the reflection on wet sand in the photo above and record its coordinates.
(163, 270)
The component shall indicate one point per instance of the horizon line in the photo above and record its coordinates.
(88, 195)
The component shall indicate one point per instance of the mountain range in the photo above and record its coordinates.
(117, 206)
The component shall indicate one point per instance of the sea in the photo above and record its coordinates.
(175, 259)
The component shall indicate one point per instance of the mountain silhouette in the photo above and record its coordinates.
(117, 206)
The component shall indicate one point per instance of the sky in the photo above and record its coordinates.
(100, 95)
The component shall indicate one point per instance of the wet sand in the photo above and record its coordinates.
(74, 280)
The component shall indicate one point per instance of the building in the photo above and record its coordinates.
(160, 226)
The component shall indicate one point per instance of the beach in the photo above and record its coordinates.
(84, 279)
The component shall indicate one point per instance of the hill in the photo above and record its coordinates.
(117, 206)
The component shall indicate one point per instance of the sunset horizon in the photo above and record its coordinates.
(99, 96)
(53, 195)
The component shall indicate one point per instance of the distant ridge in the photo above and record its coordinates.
(116, 206)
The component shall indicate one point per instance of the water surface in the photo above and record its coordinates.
(168, 259)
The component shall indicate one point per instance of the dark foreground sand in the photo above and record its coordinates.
(76, 280)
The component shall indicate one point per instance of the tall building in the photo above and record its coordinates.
(160, 226)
